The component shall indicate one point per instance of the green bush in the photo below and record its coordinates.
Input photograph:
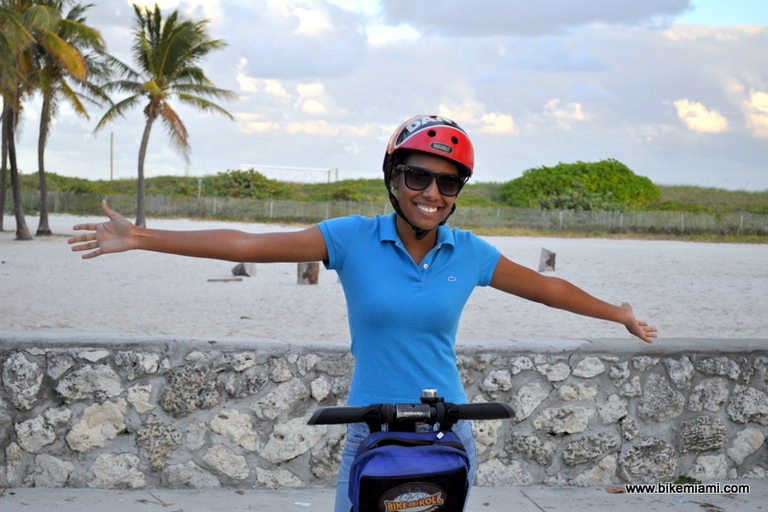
(467, 199)
(342, 191)
(172, 186)
(604, 185)
(249, 184)
(79, 186)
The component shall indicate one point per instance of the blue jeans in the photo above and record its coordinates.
(357, 432)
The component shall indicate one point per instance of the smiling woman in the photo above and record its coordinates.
(406, 276)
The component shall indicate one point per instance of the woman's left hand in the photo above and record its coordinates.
(640, 329)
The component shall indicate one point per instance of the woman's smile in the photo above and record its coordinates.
(425, 208)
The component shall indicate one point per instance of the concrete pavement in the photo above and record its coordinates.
(483, 499)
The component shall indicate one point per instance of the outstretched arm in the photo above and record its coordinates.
(558, 293)
(119, 235)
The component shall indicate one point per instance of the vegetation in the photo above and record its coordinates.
(225, 184)
(604, 185)
(709, 200)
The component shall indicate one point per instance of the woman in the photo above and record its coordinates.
(406, 276)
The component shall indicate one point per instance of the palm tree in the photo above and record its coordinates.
(27, 25)
(3, 169)
(167, 52)
(14, 38)
(52, 79)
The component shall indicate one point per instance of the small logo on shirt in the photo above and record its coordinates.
(451, 278)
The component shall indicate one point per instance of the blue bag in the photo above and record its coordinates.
(410, 472)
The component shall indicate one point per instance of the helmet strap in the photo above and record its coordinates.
(420, 233)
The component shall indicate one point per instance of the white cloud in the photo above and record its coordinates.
(311, 21)
(565, 115)
(254, 123)
(381, 35)
(756, 111)
(313, 128)
(200, 9)
(313, 99)
(247, 84)
(367, 7)
(685, 32)
(313, 107)
(473, 114)
(453, 18)
(275, 88)
(697, 118)
(270, 86)
(500, 124)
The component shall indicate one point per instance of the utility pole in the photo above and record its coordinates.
(111, 155)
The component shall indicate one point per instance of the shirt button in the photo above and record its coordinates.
(425, 266)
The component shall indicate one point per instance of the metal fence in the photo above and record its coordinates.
(466, 217)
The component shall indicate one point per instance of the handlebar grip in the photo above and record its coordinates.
(485, 411)
(338, 415)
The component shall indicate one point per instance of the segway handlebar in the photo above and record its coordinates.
(434, 411)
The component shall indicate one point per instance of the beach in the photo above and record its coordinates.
(685, 289)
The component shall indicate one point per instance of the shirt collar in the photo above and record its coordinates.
(388, 231)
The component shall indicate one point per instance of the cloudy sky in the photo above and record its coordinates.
(675, 89)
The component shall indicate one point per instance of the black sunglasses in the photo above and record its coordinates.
(418, 178)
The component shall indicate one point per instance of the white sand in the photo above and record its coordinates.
(696, 290)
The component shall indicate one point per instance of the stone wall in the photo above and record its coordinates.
(119, 411)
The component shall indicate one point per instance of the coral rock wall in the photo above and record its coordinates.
(114, 411)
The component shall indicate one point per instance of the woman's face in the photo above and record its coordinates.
(424, 208)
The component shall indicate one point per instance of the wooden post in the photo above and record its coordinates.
(547, 261)
(307, 273)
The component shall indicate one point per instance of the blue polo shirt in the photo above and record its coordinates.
(403, 317)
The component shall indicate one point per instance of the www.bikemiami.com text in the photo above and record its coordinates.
(688, 488)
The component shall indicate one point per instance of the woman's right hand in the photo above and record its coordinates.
(116, 235)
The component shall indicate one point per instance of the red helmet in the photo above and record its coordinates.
(432, 134)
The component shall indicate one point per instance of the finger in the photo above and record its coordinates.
(92, 254)
(82, 238)
(85, 247)
(109, 212)
(82, 227)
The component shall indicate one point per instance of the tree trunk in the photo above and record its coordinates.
(42, 227)
(141, 219)
(22, 232)
(4, 166)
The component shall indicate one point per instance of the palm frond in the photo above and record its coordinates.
(202, 104)
(67, 55)
(74, 99)
(204, 90)
(119, 68)
(126, 86)
(117, 110)
(177, 132)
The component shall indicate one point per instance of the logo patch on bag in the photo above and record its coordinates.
(413, 497)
